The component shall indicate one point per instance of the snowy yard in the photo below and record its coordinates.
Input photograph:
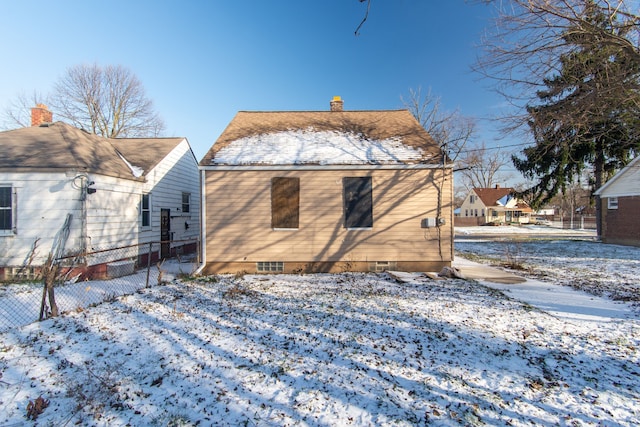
(342, 349)
(612, 271)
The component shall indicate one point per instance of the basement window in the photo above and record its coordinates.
(270, 267)
(612, 203)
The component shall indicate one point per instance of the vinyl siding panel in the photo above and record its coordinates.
(112, 213)
(238, 218)
(42, 202)
(175, 174)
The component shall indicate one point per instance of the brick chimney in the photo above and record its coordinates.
(336, 104)
(40, 114)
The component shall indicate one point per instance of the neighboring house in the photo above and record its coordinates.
(325, 191)
(61, 184)
(620, 204)
(495, 205)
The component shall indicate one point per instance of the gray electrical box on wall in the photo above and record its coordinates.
(428, 223)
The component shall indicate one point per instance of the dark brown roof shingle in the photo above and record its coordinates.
(59, 146)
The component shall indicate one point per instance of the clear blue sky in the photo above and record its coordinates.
(202, 61)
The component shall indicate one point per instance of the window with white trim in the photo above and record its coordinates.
(186, 202)
(145, 210)
(612, 203)
(6, 209)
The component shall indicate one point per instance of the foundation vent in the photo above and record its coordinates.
(380, 266)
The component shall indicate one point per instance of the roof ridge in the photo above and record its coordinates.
(323, 111)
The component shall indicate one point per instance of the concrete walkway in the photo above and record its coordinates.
(560, 301)
(476, 271)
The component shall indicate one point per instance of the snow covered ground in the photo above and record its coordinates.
(338, 349)
(583, 264)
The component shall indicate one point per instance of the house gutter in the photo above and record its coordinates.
(203, 224)
(322, 167)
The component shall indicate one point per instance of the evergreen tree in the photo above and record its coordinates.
(586, 117)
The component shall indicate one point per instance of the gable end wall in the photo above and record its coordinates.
(239, 232)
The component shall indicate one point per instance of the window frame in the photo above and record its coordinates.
(612, 203)
(186, 206)
(145, 212)
(285, 203)
(357, 199)
(10, 208)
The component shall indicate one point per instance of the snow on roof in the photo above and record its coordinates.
(135, 170)
(310, 146)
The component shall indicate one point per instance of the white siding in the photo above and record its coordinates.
(469, 207)
(41, 205)
(175, 174)
(625, 183)
(112, 213)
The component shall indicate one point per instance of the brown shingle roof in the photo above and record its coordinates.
(490, 197)
(372, 125)
(62, 146)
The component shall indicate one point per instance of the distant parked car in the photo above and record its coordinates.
(541, 221)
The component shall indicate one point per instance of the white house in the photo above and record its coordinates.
(495, 205)
(64, 188)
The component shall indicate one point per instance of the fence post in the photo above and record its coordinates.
(149, 263)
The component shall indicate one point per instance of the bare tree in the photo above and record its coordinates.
(529, 38)
(480, 166)
(17, 113)
(109, 101)
(476, 164)
(451, 130)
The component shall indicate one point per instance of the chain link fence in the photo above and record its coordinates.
(78, 281)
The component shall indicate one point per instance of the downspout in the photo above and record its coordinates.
(203, 224)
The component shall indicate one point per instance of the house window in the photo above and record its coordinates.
(472, 199)
(285, 203)
(482, 212)
(145, 209)
(6, 209)
(186, 202)
(466, 212)
(612, 203)
(475, 212)
(494, 213)
(358, 202)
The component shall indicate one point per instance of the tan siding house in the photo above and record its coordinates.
(324, 192)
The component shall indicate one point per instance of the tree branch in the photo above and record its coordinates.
(366, 15)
